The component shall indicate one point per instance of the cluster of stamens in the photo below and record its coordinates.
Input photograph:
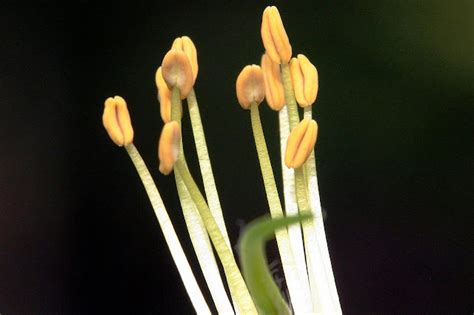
(283, 82)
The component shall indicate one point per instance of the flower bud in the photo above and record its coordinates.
(250, 86)
(177, 72)
(304, 77)
(168, 147)
(116, 121)
(300, 143)
(186, 45)
(275, 40)
(164, 96)
(274, 91)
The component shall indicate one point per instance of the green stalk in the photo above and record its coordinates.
(234, 277)
(323, 291)
(266, 293)
(185, 272)
(176, 105)
(197, 231)
(299, 294)
(205, 164)
(289, 96)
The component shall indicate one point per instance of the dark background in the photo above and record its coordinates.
(394, 153)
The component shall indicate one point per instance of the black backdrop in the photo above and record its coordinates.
(77, 233)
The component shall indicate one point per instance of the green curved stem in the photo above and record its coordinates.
(265, 292)
(234, 277)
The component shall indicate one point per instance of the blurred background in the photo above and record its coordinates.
(394, 152)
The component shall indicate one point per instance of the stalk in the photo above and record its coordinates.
(235, 280)
(298, 289)
(184, 269)
(197, 231)
(205, 164)
(315, 205)
(291, 205)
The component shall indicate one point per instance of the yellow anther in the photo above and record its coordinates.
(164, 95)
(168, 147)
(304, 77)
(186, 45)
(177, 72)
(300, 143)
(275, 40)
(250, 86)
(274, 91)
(116, 121)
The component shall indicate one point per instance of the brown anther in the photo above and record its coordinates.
(177, 72)
(274, 91)
(116, 121)
(186, 45)
(300, 143)
(275, 40)
(168, 147)
(304, 77)
(250, 86)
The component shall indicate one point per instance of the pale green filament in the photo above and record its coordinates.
(315, 203)
(323, 289)
(289, 96)
(205, 164)
(291, 205)
(169, 233)
(176, 105)
(234, 278)
(266, 293)
(299, 294)
(197, 230)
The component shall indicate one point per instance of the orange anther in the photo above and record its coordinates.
(300, 143)
(275, 40)
(116, 121)
(304, 77)
(274, 91)
(250, 86)
(168, 147)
